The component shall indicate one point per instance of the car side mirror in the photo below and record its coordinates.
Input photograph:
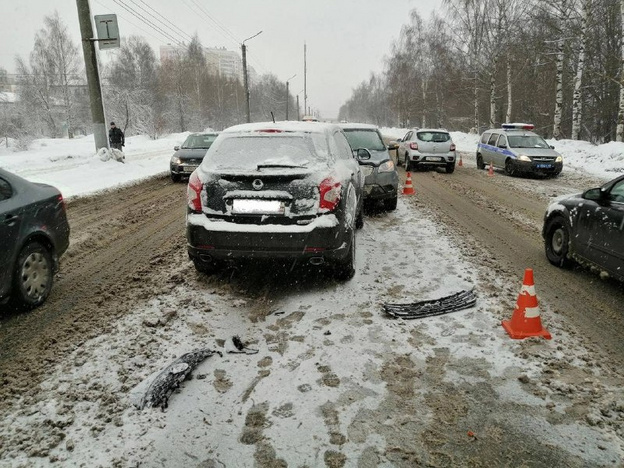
(176, 148)
(595, 194)
(362, 154)
(552, 147)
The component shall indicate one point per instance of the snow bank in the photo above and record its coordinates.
(75, 168)
(605, 161)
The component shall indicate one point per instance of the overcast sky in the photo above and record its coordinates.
(346, 39)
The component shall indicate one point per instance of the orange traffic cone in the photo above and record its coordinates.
(461, 162)
(408, 188)
(525, 321)
(491, 170)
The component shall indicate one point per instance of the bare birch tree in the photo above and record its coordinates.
(577, 97)
(619, 133)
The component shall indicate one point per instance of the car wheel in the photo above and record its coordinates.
(510, 169)
(390, 204)
(398, 158)
(32, 277)
(480, 163)
(557, 242)
(359, 220)
(176, 177)
(345, 269)
(408, 163)
(450, 168)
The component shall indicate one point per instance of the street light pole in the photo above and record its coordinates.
(287, 96)
(245, 77)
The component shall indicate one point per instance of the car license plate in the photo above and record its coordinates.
(244, 206)
(189, 168)
(544, 166)
(430, 158)
(367, 170)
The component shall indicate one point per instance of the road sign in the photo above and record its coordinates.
(107, 31)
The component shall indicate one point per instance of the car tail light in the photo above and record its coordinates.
(452, 147)
(330, 194)
(193, 193)
(61, 201)
(414, 146)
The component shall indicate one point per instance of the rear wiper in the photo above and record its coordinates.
(291, 166)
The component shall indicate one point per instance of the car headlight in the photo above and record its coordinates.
(559, 159)
(524, 157)
(388, 166)
(175, 160)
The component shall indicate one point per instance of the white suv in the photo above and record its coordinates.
(427, 148)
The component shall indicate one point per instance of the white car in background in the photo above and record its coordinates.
(427, 148)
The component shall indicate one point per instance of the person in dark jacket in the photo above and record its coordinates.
(116, 137)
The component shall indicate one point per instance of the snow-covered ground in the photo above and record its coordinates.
(75, 169)
(605, 161)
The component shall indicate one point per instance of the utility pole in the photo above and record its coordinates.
(298, 113)
(245, 77)
(305, 78)
(287, 95)
(93, 77)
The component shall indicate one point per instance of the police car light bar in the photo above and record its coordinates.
(518, 126)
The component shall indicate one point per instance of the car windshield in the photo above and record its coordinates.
(434, 137)
(199, 141)
(368, 139)
(526, 141)
(249, 152)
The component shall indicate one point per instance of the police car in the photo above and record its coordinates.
(517, 150)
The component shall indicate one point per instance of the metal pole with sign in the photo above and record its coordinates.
(108, 33)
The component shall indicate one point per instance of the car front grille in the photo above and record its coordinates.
(543, 158)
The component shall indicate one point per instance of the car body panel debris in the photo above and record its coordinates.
(169, 379)
(458, 301)
(236, 345)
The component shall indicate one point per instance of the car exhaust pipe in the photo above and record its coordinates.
(205, 258)
(317, 261)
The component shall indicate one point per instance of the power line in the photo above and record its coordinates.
(166, 23)
(216, 23)
(148, 22)
(133, 24)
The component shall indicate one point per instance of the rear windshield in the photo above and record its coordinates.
(199, 141)
(526, 141)
(368, 139)
(434, 137)
(247, 152)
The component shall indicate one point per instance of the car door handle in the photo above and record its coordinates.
(10, 218)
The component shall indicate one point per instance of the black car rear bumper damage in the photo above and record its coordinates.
(221, 240)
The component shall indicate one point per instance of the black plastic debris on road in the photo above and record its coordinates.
(239, 347)
(170, 378)
(444, 305)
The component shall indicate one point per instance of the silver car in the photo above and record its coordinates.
(517, 150)
(381, 178)
(427, 148)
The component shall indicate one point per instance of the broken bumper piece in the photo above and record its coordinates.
(459, 301)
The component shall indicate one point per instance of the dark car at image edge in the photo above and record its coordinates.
(34, 233)
(287, 191)
(588, 228)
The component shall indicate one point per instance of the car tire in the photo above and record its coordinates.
(450, 168)
(175, 177)
(359, 220)
(557, 242)
(408, 163)
(480, 163)
(510, 169)
(398, 158)
(391, 203)
(32, 276)
(345, 269)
